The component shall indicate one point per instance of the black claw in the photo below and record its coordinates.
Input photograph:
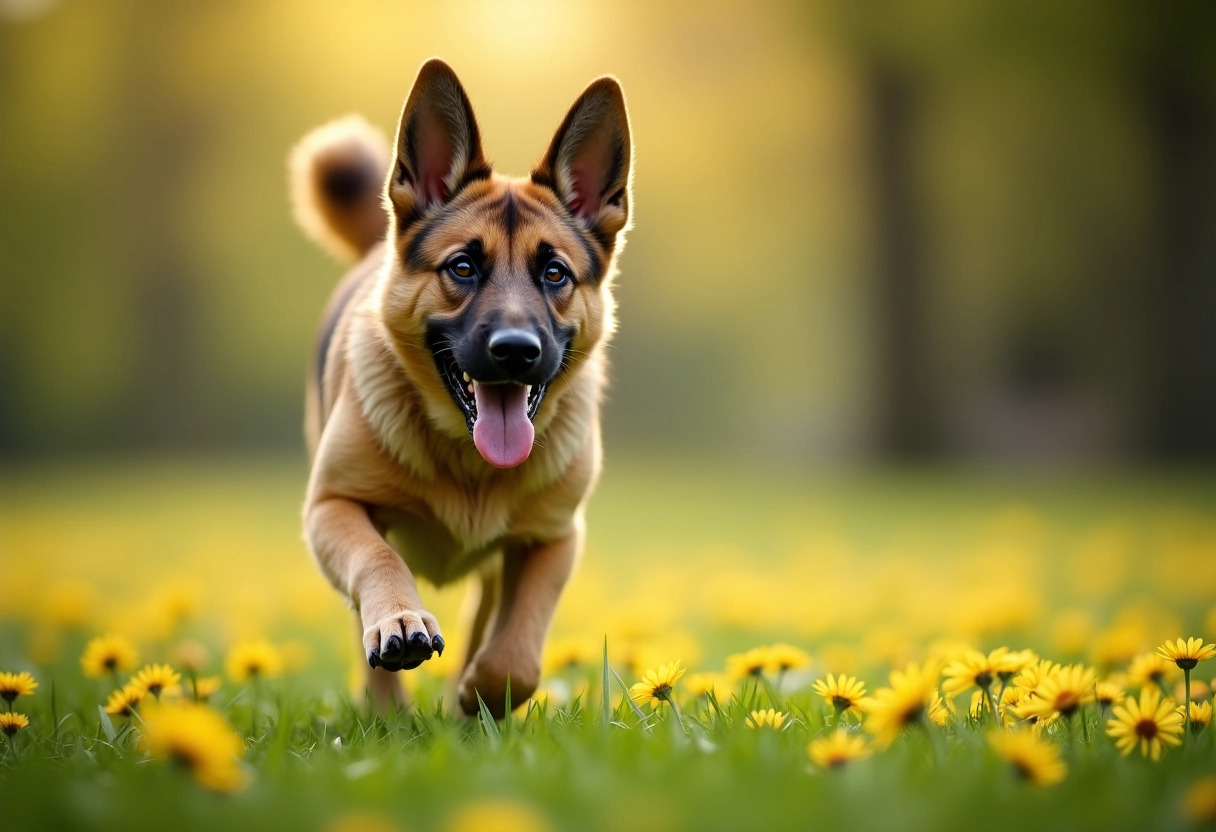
(373, 658)
(392, 649)
(437, 644)
(420, 642)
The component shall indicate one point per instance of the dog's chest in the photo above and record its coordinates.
(442, 541)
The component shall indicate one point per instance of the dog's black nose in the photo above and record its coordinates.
(514, 351)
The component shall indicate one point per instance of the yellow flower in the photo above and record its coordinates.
(13, 685)
(838, 748)
(1199, 802)
(1187, 654)
(12, 722)
(971, 670)
(1032, 758)
(909, 700)
(1108, 692)
(107, 655)
(1148, 669)
(498, 814)
(751, 663)
(1008, 663)
(253, 659)
(1061, 693)
(569, 653)
(157, 679)
(703, 684)
(843, 693)
(1032, 674)
(769, 718)
(781, 657)
(197, 738)
(125, 700)
(1147, 722)
(206, 687)
(1201, 715)
(656, 685)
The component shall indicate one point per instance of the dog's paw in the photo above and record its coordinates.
(402, 641)
(488, 677)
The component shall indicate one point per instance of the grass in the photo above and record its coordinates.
(865, 572)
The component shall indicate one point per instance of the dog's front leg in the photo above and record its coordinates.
(398, 633)
(532, 581)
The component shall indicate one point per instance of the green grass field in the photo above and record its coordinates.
(865, 573)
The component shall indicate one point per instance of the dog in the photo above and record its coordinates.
(452, 410)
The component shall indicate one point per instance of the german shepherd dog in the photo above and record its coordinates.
(453, 406)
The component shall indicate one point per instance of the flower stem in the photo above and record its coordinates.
(1186, 704)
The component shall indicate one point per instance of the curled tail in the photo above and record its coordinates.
(337, 180)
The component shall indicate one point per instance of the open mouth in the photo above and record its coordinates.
(498, 414)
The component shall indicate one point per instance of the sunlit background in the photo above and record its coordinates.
(978, 232)
(916, 331)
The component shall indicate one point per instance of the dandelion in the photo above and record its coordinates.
(499, 814)
(1147, 722)
(1034, 673)
(971, 670)
(1149, 669)
(769, 718)
(781, 658)
(656, 685)
(1061, 694)
(1107, 693)
(843, 693)
(1199, 717)
(1031, 758)
(1199, 802)
(703, 684)
(197, 738)
(157, 679)
(108, 655)
(11, 722)
(206, 687)
(909, 700)
(743, 665)
(125, 700)
(253, 660)
(1006, 663)
(13, 685)
(838, 748)
(1187, 654)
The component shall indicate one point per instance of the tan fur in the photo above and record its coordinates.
(346, 144)
(397, 487)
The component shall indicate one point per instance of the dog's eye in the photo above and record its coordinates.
(462, 268)
(556, 273)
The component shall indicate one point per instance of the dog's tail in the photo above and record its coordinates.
(337, 181)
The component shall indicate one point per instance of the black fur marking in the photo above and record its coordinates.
(543, 179)
(345, 185)
(331, 325)
(510, 214)
(473, 174)
(616, 167)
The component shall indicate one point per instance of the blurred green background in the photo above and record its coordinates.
(925, 230)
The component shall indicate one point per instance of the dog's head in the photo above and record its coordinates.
(499, 288)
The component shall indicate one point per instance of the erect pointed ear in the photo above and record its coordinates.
(588, 163)
(438, 143)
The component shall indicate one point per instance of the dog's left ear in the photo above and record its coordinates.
(589, 161)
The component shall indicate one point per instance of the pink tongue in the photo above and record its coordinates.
(503, 432)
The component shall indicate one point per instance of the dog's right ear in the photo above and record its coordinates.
(438, 144)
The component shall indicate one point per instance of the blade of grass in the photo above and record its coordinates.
(628, 698)
(106, 725)
(488, 726)
(607, 710)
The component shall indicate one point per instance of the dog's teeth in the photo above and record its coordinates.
(466, 377)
